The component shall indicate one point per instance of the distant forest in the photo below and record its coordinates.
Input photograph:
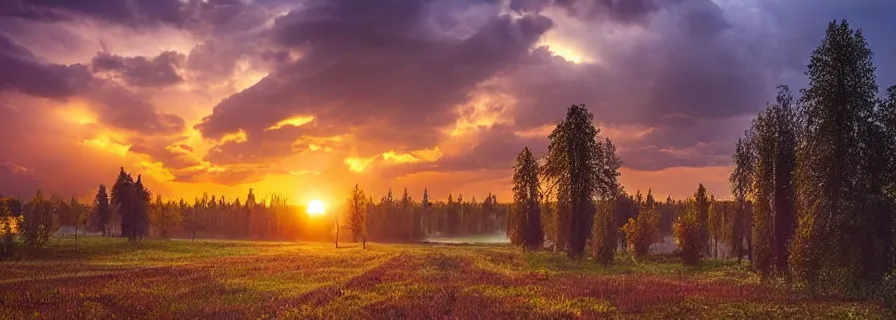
(813, 179)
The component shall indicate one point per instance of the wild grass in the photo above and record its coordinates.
(110, 278)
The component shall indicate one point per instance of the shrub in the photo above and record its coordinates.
(640, 233)
(687, 236)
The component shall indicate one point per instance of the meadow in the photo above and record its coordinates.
(109, 278)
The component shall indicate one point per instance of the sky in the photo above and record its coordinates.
(306, 98)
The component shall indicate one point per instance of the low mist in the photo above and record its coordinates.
(491, 238)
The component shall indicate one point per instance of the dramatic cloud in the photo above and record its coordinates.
(162, 70)
(127, 12)
(25, 72)
(308, 97)
(368, 68)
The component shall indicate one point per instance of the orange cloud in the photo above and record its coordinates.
(356, 164)
(238, 137)
(105, 144)
(424, 155)
(297, 121)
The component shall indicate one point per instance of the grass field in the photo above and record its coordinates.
(110, 278)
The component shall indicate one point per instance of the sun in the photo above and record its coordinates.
(315, 208)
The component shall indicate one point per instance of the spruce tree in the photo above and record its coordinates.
(142, 198)
(784, 193)
(103, 212)
(835, 184)
(121, 198)
(701, 207)
(603, 245)
(526, 223)
(764, 135)
(584, 169)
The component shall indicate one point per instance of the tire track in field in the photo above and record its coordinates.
(367, 279)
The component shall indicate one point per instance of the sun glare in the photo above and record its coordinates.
(315, 208)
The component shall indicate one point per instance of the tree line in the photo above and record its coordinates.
(821, 172)
(813, 180)
(570, 199)
(406, 220)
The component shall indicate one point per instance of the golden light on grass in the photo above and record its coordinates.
(315, 208)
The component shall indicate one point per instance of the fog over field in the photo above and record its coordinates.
(495, 238)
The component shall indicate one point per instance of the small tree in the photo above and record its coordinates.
(38, 220)
(164, 216)
(526, 229)
(8, 220)
(603, 245)
(357, 209)
(688, 236)
(643, 231)
(78, 213)
(103, 211)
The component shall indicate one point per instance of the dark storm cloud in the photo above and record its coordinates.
(159, 71)
(370, 67)
(803, 23)
(120, 108)
(497, 149)
(117, 107)
(23, 71)
(626, 11)
(126, 12)
(200, 17)
(681, 84)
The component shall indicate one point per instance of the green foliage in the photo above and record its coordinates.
(686, 230)
(164, 217)
(584, 169)
(39, 221)
(9, 223)
(701, 205)
(132, 199)
(644, 230)
(525, 227)
(604, 243)
(769, 153)
(834, 250)
(357, 210)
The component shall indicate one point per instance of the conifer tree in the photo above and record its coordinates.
(701, 206)
(644, 230)
(103, 212)
(603, 246)
(833, 245)
(584, 169)
(526, 228)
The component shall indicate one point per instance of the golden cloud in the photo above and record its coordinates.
(297, 121)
